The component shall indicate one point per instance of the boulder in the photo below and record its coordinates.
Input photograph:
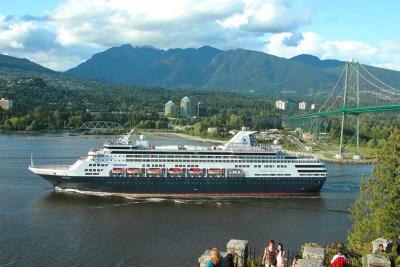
(314, 252)
(376, 260)
(239, 251)
(309, 263)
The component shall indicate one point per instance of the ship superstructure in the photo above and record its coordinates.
(238, 168)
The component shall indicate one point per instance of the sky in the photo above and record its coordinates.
(60, 34)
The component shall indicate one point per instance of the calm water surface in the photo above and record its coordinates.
(39, 227)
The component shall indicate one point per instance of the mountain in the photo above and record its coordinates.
(205, 67)
(22, 64)
(148, 65)
(333, 66)
(318, 63)
(244, 69)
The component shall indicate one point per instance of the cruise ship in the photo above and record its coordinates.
(239, 168)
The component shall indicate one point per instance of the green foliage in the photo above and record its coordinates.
(376, 213)
(397, 261)
(41, 105)
(253, 263)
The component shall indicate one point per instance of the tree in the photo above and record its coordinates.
(376, 213)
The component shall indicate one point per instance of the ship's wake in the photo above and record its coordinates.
(182, 198)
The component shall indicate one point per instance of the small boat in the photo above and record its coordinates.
(195, 170)
(175, 171)
(134, 170)
(214, 171)
(154, 170)
(118, 170)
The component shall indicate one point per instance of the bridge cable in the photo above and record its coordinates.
(395, 89)
(334, 88)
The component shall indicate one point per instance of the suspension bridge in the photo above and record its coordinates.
(357, 91)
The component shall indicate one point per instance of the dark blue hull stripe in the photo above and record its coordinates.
(189, 185)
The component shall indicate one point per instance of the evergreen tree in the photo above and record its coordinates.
(376, 213)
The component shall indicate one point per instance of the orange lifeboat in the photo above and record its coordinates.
(214, 171)
(118, 170)
(175, 170)
(133, 170)
(195, 170)
(154, 171)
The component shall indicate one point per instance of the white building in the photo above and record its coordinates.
(280, 104)
(6, 104)
(186, 107)
(303, 105)
(313, 106)
(284, 105)
(170, 108)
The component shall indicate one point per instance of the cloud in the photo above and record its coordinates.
(109, 23)
(269, 16)
(99, 24)
(76, 29)
(386, 54)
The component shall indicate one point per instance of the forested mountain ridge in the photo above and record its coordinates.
(22, 64)
(205, 68)
(237, 70)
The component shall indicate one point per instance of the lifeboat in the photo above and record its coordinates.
(195, 170)
(154, 170)
(118, 170)
(134, 170)
(175, 171)
(214, 171)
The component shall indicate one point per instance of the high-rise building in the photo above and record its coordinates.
(6, 104)
(303, 105)
(201, 110)
(284, 105)
(170, 108)
(186, 107)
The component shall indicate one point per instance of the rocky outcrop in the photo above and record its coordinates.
(313, 256)
(377, 260)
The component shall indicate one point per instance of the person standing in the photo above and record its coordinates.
(280, 256)
(269, 258)
(339, 260)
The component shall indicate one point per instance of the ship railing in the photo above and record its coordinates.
(52, 167)
(118, 143)
(257, 148)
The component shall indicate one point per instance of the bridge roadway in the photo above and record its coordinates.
(346, 111)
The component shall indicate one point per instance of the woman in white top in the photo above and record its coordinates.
(280, 256)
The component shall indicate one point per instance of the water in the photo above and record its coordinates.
(40, 227)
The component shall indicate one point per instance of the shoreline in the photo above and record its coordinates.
(336, 161)
(155, 132)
